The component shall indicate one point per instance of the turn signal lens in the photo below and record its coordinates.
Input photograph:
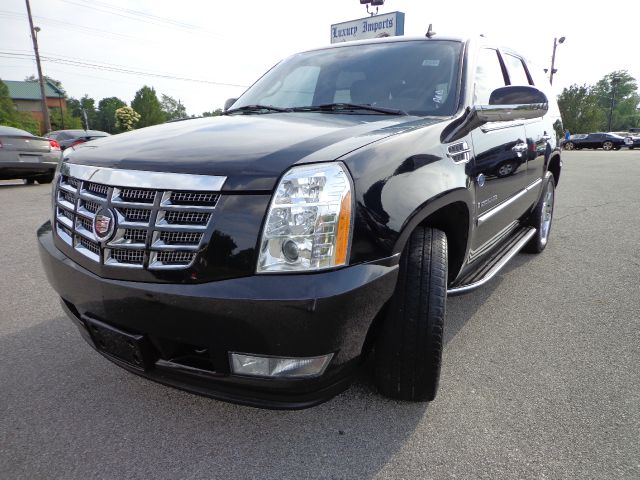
(309, 222)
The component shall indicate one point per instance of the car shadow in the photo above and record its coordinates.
(69, 413)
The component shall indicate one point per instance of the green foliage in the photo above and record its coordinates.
(107, 114)
(587, 108)
(213, 113)
(580, 110)
(87, 105)
(65, 121)
(126, 118)
(172, 108)
(10, 117)
(146, 103)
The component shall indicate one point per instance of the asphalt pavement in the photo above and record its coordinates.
(541, 374)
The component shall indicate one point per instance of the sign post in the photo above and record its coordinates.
(386, 25)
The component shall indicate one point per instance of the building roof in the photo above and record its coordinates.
(28, 90)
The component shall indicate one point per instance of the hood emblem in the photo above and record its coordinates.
(104, 224)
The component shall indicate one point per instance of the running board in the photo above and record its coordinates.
(496, 262)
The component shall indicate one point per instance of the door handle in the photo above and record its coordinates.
(520, 147)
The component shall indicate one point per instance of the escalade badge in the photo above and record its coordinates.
(104, 224)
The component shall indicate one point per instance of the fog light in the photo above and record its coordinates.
(280, 367)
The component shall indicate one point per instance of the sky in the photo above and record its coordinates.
(213, 50)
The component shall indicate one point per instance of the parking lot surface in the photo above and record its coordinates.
(541, 373)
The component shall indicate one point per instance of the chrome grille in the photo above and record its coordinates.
(187, 218)
(178, 238)
(135, 214)
(155, 228)
(137, 195)
(135, 235)
(96, 188)
(194, 197)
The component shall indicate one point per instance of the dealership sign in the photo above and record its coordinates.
(387, 25)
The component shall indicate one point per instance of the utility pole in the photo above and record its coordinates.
(614, 84)
(34, 37)
(556, 42)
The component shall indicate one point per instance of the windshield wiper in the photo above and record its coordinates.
(338, 107)
(257, 108)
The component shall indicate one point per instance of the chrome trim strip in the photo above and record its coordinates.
(489, 244)
(496, 268)
(143, 179)
(498, 208)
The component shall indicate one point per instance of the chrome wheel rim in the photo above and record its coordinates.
(569, 146)
(547, 213)
(607, 145)
(505, 169)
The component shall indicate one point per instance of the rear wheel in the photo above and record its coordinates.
(607, 145)
(541, 218)
(408, 349)
(45, 178)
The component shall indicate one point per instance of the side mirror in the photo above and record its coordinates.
(513, 103)
(229, 103)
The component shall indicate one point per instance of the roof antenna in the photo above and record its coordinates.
(430, 32)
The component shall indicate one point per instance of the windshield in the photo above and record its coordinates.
(417, 77)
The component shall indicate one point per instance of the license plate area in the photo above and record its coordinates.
(132, 349)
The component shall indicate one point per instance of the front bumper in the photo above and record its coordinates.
(301, 315)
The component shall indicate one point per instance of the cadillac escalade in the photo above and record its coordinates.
(257, 257)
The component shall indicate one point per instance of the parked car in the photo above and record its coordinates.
(632, 141)
(71, 138)
(259, 256)
(606, 141)
(25, 156)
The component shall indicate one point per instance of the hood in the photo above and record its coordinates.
(252, 151)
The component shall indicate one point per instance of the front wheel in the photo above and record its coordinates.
(42, 179)
(541, 217)
(569, 146)
(408, 349)
(607, 146)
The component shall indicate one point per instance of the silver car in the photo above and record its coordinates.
(23, 155)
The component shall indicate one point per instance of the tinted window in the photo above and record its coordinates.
(489, 75)
(419, 77)
(516, 70)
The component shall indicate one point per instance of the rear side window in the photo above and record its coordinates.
(516, 70)
(489, 75)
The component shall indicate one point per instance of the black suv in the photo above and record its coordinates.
(257, 257)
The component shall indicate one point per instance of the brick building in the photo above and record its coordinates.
(26, 97)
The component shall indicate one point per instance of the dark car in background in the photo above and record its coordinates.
(23, 155)
(606, 141)
(632, 141)
(71, 138)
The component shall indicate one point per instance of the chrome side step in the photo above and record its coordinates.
(494, 264)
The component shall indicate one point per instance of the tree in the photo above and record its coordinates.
(580, 110)
(63, 121)
(172, 108)
(107, 114)
(622, 89)
(87, 105)
(10, 117)
(126, 118)
(214, 113)
(146, 103)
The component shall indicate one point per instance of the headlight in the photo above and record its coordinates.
(308, 224)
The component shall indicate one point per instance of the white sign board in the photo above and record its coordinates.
(387, 25)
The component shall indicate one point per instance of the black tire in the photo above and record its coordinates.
(28, 181)
(569, 146)
(408, 351)
(42, 179)
(539, 241)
